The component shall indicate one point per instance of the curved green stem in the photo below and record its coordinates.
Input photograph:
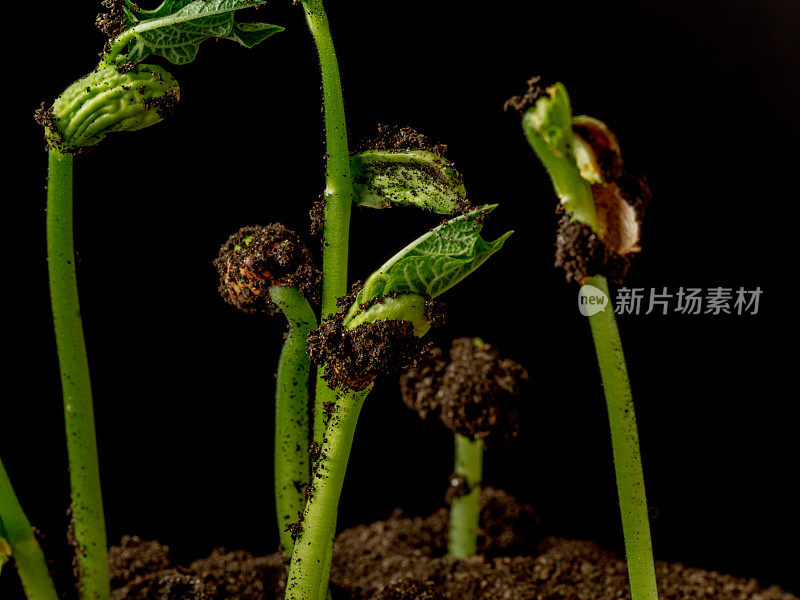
(27, 553)
(625, 443)
(338, 187)
(292, 472)
(465, 510)
(307, 572)
(87, 504)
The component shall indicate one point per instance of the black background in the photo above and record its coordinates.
(703, 97)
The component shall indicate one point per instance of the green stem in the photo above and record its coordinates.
(625, 443)
(291, 411)
(338, 187)
(87, 504)
(465, 510)
(307, 572)
(28, 555)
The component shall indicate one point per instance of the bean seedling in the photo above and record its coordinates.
(120, 94)
(601, 206)
(476, 394)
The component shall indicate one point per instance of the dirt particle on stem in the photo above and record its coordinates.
(474, 391)
(255, 258)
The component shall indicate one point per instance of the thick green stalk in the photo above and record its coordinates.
(465, 510)
(87, 504)
(625, 443)
(292, 471)
(308, 569)
(338, 187)
(28, 555)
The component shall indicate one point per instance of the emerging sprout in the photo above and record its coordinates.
(108, 100)
(600, 202)
(476, 394)
(256, 258)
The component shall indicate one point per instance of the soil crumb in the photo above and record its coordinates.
(475, 393)
(395, 137)
(114, 21)
(523, 102)
(404, 558)
(581, 253)
(255, 258)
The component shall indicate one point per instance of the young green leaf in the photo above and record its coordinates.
(416, 177)
(176, 29)
(436, 261)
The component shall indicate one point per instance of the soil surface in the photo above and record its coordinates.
(403, 558)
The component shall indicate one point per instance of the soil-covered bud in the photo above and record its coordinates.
(255, 258)
(381, 339)
(108, 99)
(474, 391)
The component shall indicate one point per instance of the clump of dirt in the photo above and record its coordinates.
(142, 571)
(475, 392)
(395, 137)
(523, 102)
(255, 258)
(354, 358)
(317, 218)
(113, 22)
(409, 589)
(581, 253)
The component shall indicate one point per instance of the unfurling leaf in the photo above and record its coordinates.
(106, 101)
(176, 29)
(416, 177)
(434, 262)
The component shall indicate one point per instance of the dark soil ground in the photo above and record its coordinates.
(403, 558)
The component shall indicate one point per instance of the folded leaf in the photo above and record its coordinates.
(416, 177)
(436, 261)
(176, 28)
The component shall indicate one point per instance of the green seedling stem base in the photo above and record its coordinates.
(465, 510)
(625, 444)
